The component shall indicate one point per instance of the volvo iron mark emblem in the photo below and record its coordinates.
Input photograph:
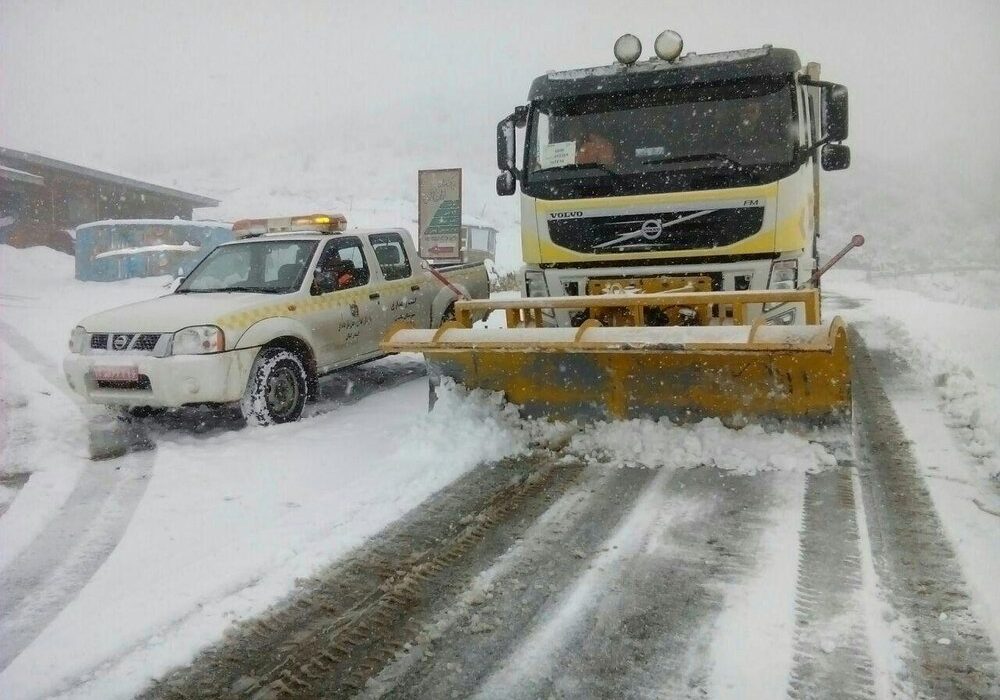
(650, 229)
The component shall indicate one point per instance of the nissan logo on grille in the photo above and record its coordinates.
(120, 342)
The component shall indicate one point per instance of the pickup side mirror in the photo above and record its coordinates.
(835, 112)
(835, 156)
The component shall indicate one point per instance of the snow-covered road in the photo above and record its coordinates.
(651, 568)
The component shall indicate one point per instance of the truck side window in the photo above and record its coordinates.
(391, 255)
(344, 261)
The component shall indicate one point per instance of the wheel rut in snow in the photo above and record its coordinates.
(615, 574)
(610, 595)
(38, 583)
(950, 654)
(344, 624)
(831, 657)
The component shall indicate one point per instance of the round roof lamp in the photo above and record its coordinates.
(668, 45)
(628, 48)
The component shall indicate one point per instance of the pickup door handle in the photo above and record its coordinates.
(373, 295)
(414, 287)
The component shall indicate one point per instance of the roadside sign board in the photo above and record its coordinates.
(439, 204)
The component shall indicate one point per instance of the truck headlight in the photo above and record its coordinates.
(198, 340)
(784, 275)
(77, 339)
(534, 284)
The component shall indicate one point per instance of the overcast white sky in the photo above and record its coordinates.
(147, 86)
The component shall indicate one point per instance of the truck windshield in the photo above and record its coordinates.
(267, 267)
(664, 139)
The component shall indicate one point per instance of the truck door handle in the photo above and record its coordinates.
(373, 295)
(414, 287)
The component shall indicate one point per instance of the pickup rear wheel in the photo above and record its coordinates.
(276, 391)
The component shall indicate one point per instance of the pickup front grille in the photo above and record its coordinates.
(146, 342)
(134, 342)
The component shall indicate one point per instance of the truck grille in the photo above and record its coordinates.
(136, 342)
(697, 228)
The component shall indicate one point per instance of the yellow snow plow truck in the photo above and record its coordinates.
(669, 215)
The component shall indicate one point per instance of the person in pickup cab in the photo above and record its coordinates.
(346, 274)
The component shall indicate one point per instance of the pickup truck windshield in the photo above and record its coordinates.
(661, 139)
(266, 267)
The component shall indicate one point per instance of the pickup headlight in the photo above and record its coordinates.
(77, 339)
(198, 340)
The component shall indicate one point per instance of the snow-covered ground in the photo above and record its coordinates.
(948, 402)
(220, 528)
(135, 564)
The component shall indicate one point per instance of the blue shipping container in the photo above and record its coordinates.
(119, 249)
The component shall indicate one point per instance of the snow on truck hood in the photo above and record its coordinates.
(172, 312)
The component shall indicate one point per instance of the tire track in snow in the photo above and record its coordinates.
(49, 573)
(614, 598)
(949, 654)
(831, 658)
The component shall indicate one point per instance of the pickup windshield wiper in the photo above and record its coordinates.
(599, 168)
(697, 158)
(253, 290)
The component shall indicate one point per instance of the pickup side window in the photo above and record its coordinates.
(342, 265)
(391, 255)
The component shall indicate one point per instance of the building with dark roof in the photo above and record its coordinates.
(42, 199)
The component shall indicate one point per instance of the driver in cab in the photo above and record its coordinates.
(334, 274)
(592, 145)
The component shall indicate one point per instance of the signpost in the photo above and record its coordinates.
(439, 205)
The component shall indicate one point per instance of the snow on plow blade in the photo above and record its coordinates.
(734, 371)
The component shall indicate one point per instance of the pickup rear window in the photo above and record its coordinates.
(391, 255)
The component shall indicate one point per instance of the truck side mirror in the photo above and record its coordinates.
(521, 116)
(506, 183)
(835, 156)
(506, 143)
(835, 112)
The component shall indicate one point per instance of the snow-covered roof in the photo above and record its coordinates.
(22, 157)
(20, 176)
(161, 248)
(155, 222)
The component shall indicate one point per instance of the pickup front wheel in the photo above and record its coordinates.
(276, 391)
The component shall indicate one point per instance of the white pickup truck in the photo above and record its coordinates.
(261, 318)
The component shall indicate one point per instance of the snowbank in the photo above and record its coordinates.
(647, 443)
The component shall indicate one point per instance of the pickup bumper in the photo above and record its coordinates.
(162, 381)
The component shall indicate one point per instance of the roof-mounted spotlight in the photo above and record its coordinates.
(668, 45)
(628, 48)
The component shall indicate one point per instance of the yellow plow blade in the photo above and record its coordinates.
(734, 372)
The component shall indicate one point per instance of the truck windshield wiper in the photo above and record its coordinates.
(578, 167)
(697, 158)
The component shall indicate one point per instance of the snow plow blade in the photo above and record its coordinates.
(737, 372)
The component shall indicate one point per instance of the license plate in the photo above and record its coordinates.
(116, 374)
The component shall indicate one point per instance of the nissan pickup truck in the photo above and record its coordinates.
(260, 319)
